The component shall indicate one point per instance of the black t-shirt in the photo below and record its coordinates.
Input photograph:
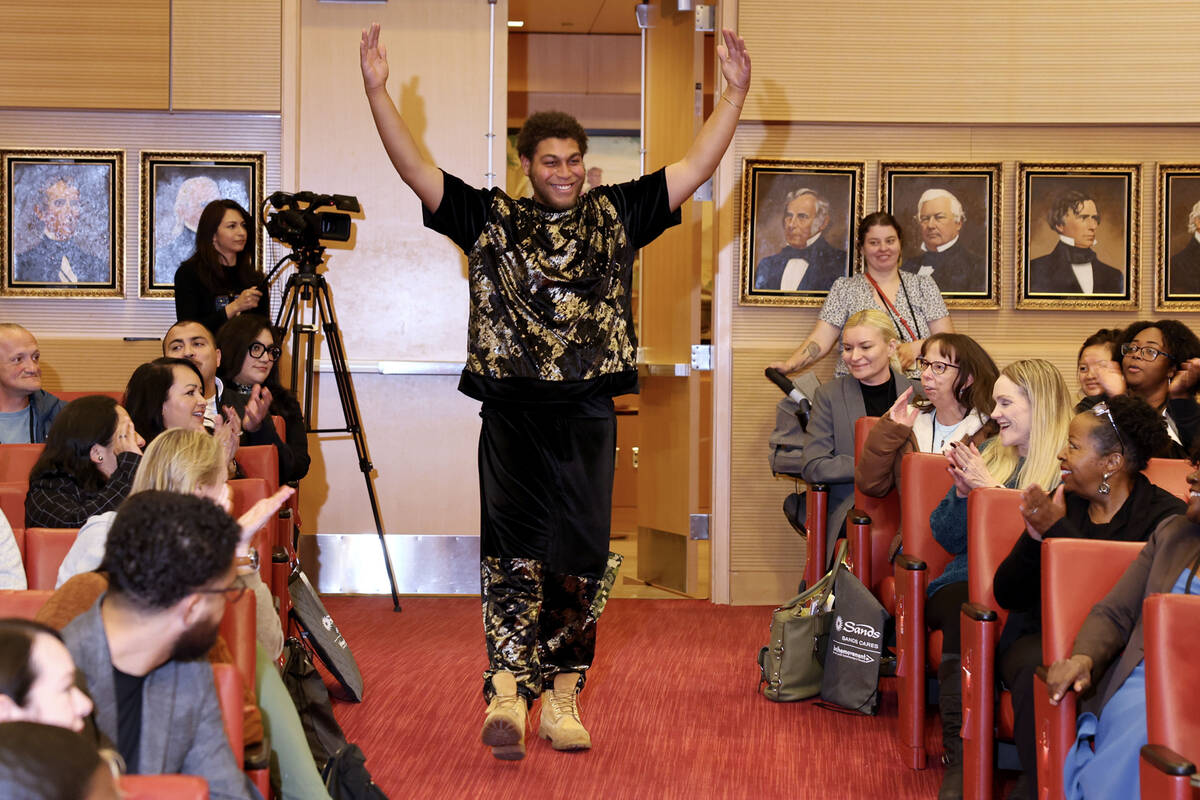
(551, 316)
(878, 399)
(129, 717)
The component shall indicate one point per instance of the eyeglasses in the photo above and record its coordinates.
(233, 592)
(258, 348)
(1144, 353)
(938, 367)
(1102, 410)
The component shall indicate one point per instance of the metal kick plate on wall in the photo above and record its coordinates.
(351, 563)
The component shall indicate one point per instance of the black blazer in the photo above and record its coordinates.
(955, 269)
(1185, 269)
(826, 264)
(1052, 274)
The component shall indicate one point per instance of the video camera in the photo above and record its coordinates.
(298, 224)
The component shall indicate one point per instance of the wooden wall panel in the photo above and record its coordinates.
(84, 54)
(765, 555)
(225, 55)
(987, 61)
(595, 78)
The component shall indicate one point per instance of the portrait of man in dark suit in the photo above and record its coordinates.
(57, 256)
(1072, 267)
(943, 254)
(1185, 264)
(807, 262)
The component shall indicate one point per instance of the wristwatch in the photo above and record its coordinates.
(251, 560)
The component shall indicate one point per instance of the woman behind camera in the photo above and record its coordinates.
(1033, 411)
(957, 376)
(869, 344)
(250, 364)
(91, 455)
(220, 281)
(1103, 495)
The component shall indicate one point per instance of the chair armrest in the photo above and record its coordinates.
(1055, 733)
(905, 561)
(1166, 760)
(979, 612)
(817, 552)
(978, 625)
(858, 534)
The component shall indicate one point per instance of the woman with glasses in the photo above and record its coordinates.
(1103, 495)
(869, 351)
(249, 370)
(1032, 411)
(957, 376)
(1160, 363)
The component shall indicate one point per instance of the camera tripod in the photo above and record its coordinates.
(305, 288)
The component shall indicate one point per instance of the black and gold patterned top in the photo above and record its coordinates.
(551, 318)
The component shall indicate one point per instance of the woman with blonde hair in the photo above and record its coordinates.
(1027, 393)
(869, 342)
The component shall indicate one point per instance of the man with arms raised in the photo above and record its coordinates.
(26, 411)
(550, 341)
(171, 569)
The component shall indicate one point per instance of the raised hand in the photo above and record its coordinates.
(261, 513)
(258, 406)
(901, 412)
(1112, 381)
(1070, 673)
(968, 470)
(1041, 511)
(125, 439)
(227, 430)
(1183, 382)
(735, 61)
(373, 58)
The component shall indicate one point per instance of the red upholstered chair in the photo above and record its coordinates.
(16, 462)
(924, 481)
(1172, 676)
(1170, 474)
(238, 631)
(870, 528)
(115, 394)
(157, 787)
(229, 695)
(994, 523)
(12, 505)
(1076, 574)
(45, 549)
(816, 547)
(244, 493)
(262, 461)
(23, 603)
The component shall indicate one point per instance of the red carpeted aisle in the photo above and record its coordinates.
(671, 705)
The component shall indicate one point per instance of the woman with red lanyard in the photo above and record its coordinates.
(913, 302)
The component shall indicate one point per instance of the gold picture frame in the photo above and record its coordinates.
(1177, 276)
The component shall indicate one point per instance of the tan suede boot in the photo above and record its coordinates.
(560, 715)
(504, 725)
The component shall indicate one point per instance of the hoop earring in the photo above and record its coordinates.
(1104, 487)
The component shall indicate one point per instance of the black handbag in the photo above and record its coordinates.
(851, 678)
(303, 682)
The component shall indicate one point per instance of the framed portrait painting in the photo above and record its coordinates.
(1077, 229)
(1177, 279)
(798, 228)
(63, 227)
(951, 212)
(175, 188)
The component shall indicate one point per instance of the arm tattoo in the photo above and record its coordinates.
(811, 352)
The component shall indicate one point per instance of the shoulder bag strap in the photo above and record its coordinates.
(891, 308)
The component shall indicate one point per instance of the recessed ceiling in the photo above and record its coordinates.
(574, 16)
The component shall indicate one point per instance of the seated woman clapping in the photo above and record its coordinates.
(1109, 653)
(91, 454)
(957, 376)
(869, 344)
(1103, 495)
(1160, 363)
(1032, 410)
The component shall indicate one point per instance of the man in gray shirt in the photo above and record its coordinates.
(26, 411)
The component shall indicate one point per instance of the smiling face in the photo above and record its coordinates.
(1089, 374)
(798, 219)
(939, 389)
(939, 225)
(1013, 413)
(556, 172)
(191, 340)
(20, 364)
(1145, 377)
(1083, 464)
(230, 238)
(1081, 224)
(54, 699)
(881, 248)
(867, 354)
(1193, 507)
(255, 370)
(184, 406)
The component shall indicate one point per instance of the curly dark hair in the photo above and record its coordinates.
(147, 391)
(39, 760)
(1142, 431)
(163, 546)
(1070, 201)
(17, 675)
(1104, 336)
(973, 362)
(1178, 340)
(881, 218)
(83, 422)
(210, 269)
(550, 125)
